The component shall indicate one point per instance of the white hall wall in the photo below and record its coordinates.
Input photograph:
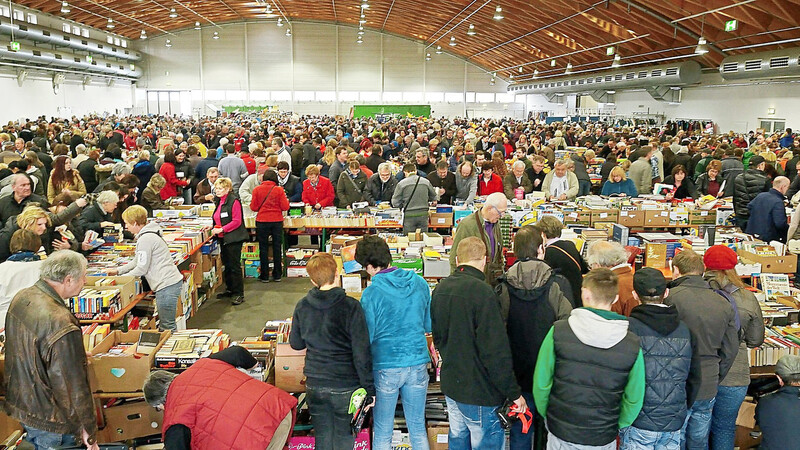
(318, 70)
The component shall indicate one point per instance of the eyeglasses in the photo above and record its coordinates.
(498, 211)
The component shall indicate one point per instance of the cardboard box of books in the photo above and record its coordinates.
(185, 347)
(127, 285)
(121, 362)
(179, 212)
(630, 216)
(130, 420)
(656, 218)
(289, 365)
(770, 262)
(438, 436)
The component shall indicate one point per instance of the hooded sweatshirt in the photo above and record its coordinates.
(331, 327)
(588, 406)
(397, 306)
(153, 259)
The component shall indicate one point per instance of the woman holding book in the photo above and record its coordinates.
(682, 186)
(711, 183)
(720, 261)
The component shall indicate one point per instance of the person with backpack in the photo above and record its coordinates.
(532, 297)
(720, 261)
(712, 321)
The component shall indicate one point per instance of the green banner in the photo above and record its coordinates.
(402, 110)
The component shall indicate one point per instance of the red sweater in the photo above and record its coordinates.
(494, 185)
(270, 209)
(250, 163)
(170, 189)
(322, 193)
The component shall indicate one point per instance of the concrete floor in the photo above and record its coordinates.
(263, 302)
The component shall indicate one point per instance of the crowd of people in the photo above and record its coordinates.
(669, 359)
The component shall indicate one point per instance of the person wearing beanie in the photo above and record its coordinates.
(768, 220)
(776, 413)
(720, 261)
(746, 186)
(672, 374)
(712, 322)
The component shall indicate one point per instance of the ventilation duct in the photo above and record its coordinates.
(661, 77)
(60, 39)
(773, 64)
(43, 58)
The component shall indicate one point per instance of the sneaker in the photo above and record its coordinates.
(238, 300)
(277, 280)
(225, 294)
(263, 280)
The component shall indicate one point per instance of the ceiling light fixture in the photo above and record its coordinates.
(359, 40)
(169, 43)
(569, 68)
(438, 49)
(520, 69)
(288, 32)
(197, 25)
(172, 13)
(268, 10)
(280, 22)
(361, 32)
(471, 31)
(702, 46)
(498, 13)
(143, 36)
(617, 61)
(65, 9)
(491, 82)
(364, 5)
(427, 57)
(216, 35)
(452, 41)
(552, 62)
(535, 73)
(110, 24)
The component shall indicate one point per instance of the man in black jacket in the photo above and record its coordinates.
(332, 328)
(443, 182)
(477, 375)
(671, 374)
(712, 322)
(380, 186)
(746, 187)
(776, 413)
(311, 153)
(12, 205)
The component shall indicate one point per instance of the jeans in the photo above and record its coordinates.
(167, 303)
(697, 425)
(411, 224)
(232, 260)
(536, 437)
(584, 187)
(474, 427)
(46, 440)
(330, 417)
(723, 417)
(554, 443)
(637, 439)
(263, 232)
(412, 385)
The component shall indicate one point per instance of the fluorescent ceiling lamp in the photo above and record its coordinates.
(498, 13)
(617, 61)
(172, 13)
(65, 9)
(471, 30)
(438, 49)
(702, 46)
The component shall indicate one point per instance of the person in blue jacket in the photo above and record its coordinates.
(768, 220)
(619, 184)
(397, 307)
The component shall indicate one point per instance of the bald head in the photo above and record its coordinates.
(781, 184)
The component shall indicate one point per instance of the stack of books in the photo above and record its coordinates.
(90, 303)
(185, 347)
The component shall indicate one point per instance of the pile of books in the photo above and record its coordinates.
(778, 341)
(185, 347)
(90, 303)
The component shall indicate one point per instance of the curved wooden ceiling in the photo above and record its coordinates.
(531, 35)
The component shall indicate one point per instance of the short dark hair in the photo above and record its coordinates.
(527, 242)
(230, 148)
(441, 165)
(678, 168)
(130, 181)
(270, 175)
(24, 241)
(283, 165)
(169, 157)
(373, 250)
(409, 168)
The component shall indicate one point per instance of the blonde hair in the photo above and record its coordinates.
(223, 183)
(135, 214)
(617, 170)
(157, 181)
(312, 169)
(30, 215)
(470, 249)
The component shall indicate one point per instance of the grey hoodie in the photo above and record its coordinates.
(529, 278)
(152, 260)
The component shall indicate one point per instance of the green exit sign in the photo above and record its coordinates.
(611, 50)
(731, 25)
(89, 59)
(14, 46)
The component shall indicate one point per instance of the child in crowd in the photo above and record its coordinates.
(584, 409)
(332, 327)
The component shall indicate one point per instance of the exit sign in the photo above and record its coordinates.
(731, 25)
(14, 46)
(611, 50)
(89, 59)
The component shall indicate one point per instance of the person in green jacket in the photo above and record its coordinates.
(483, 225)
(587, 408)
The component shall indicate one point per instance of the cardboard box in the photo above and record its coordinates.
(207, 209)
(438, 437)
(440, 220)
(435, 268)
(579, 217)
(432, 239)
(127, 286)
(700, 217)
(289, 365)
(120, 373)
(8, 426)
(656, 218)
(307, 442)
(632, 218)
(604, 215)
(747, 415)
(178, 212)
(771, 264)
(129, 421)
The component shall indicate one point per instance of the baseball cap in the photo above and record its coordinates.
(649, 282)
(788, 365)
(756, 160)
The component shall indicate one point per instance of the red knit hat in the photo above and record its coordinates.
(720, 257)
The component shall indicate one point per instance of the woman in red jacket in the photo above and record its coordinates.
(269, 201)
(168, 172)
(489, 182)
(317, 190)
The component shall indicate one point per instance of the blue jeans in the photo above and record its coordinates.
(474, 427)
(411, 383)
(330, 417)
(46, 440)
(723, 418)
(584, 187)
(697, 425)
(167, 304)
(637, 439)
(525, 441)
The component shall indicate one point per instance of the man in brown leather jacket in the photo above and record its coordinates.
(45, 374)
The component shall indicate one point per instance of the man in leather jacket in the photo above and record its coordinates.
(46, 370)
